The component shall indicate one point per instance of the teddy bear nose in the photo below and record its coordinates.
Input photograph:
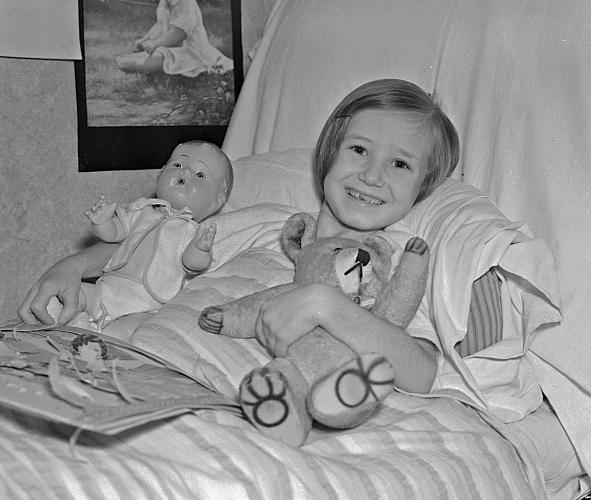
(363, 257)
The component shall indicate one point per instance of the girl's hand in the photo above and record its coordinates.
(285, 318)
(101, 211)
(61, 281)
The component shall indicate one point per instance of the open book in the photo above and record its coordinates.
(92, 381)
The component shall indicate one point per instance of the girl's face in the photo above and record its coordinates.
(195, 177)
(379, 169)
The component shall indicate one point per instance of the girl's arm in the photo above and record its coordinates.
(287, 317)
(62, 280)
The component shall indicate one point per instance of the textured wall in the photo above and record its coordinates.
(42, 194)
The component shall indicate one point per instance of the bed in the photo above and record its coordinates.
(512, 76)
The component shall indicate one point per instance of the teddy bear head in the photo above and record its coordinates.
(359, 269)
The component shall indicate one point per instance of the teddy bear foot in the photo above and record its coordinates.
(349, 395)
(273, 407)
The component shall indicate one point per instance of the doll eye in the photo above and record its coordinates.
(176, 165)
(336, 250)
(201, 175)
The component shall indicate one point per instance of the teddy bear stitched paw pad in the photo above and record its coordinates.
(275, 406)
(211, 319)
(347, 396)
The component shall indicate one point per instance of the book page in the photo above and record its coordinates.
(92, 381)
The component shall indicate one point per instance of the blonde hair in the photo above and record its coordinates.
(391, 95)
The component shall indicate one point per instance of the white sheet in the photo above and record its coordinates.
(514, 77)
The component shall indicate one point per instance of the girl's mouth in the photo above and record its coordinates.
(363, 198)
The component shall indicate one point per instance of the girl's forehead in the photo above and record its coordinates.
(379, 122)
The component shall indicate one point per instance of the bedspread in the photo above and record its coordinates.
(410, 449)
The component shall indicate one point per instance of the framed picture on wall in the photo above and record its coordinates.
(154, 73)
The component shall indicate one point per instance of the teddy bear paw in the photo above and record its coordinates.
(348, 396)
(271, 406)
(211, 319)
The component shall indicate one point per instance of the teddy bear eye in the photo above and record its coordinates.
(336, 250)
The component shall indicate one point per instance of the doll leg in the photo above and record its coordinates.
(274, 400)
(349, 395)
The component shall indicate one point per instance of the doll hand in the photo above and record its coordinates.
(203, 240)
(285, 318)
(198, 255)
(101, 211)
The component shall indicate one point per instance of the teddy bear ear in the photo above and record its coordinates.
(298, 231)
(381, 247)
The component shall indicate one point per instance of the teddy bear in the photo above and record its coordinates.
(320, 378)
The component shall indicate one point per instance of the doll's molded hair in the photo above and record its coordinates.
(392, 95)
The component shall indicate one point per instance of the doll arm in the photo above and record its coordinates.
(198, 255)
(285, 318)
(105, 224)
(62, 280)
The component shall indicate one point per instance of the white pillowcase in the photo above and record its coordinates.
(283, 178)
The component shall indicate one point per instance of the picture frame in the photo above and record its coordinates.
(130, 120)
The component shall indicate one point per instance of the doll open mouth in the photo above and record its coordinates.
(364, 198)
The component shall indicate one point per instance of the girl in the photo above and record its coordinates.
(386, 146)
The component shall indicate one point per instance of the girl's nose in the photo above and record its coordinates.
(371, 175)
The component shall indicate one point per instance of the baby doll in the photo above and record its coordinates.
(162, 240)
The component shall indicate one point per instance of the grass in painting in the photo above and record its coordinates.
(117, 98)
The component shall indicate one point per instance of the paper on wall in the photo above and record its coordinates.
(40, 29)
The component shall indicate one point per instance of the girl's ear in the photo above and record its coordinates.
(299, 230)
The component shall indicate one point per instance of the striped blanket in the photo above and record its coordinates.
(412, 448)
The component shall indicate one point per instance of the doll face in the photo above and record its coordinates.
(195, 176)
(379, 169)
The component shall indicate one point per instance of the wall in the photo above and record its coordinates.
(42, 194)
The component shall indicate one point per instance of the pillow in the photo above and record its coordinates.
(467, 236)
(284, 178)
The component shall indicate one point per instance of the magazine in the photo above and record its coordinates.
(92, 381)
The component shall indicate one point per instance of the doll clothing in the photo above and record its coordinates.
(195, 55)
(120, 292)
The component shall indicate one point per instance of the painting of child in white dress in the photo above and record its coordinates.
(158, 62)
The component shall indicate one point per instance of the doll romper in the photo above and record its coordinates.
(121, 292)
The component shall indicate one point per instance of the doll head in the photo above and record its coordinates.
(199, 176)
(394, 96)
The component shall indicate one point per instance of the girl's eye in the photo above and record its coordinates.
(177, 165)
(201, 175)
(360, 150)
(400, 164)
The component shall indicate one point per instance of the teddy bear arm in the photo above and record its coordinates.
(399, 300)
(237, 318)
